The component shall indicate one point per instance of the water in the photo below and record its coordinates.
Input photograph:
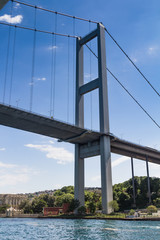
(33, 229)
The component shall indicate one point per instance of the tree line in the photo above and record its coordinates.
(122, 197)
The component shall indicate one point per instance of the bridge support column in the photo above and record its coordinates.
(81, 89)
(105, 149)
(79, 176)
(106, 174)
(148, 181)
(133, 184)
(79, 118)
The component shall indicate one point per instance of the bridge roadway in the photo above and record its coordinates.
(89, 140)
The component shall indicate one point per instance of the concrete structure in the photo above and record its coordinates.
(50, 211)
(11, 212)
(2, 3)
(157, 214)
(148, 181)
(27, 121)
(133, 184)
(13, 200)
(104, 141)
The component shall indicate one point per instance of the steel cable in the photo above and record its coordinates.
(127, 90)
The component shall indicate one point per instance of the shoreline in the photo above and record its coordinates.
(101, 218)
(86, 218)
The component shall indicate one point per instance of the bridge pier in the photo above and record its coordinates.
(79, 176)
(148, 181)
(133, 184)
(106, 174)
(102, 147)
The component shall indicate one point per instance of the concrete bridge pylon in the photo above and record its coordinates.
(104, 141)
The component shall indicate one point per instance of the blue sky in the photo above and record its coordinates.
(30, 162)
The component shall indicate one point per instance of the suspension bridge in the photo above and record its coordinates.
(88, 142)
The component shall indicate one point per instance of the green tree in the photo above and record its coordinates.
(88, 196)
(114, 205)
(99, 204)
(64, 190)
(82, 210)
(68, 189)
(131, 212)
(23, 204)
(151, 209)
(28, 208)
(65, 198)
(91, 207)
(157, 202)
(73, 205)
(3, 208)
(124, 200)
(38, 204)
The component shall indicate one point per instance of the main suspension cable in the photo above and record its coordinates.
(132, 62)
(38, 30)
(87, 20)
(127, 90)
(51, 11)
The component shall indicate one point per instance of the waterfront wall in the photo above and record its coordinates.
(21, 216)
(26, 215)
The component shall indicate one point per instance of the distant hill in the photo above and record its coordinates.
(122, 193)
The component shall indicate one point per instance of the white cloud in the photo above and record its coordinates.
(154, 170)
(96, 178)
(87, 75)
(7, 18)
(119, 161)
(31, 83)
(57, 186)
(17, 5)
(152, 50)
(2, 149)
(52, 47)
(135, 60)
(13, 179)
(41, 79)
(5, 165)
(62, 155)
(11, 174)
(37, 79)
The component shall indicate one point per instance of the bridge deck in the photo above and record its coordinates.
(23, 120)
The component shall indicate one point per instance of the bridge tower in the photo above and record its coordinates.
(102, 147)
(3, 3)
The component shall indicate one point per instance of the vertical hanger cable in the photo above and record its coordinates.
(33, 60)
(13, 60)
(54, 69)
(90, 68)
(68, 79)
(74, 29)
(7, 58)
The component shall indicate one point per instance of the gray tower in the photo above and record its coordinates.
(103, 145)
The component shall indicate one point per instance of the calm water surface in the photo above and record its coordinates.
(31, 229)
